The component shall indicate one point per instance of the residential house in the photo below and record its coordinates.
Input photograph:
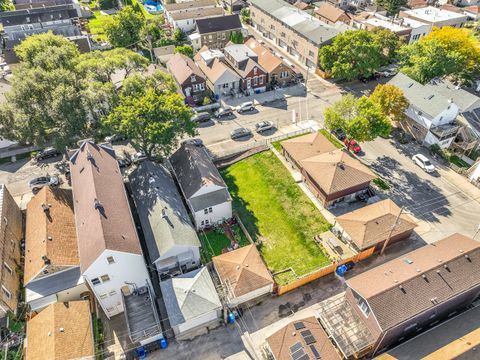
(221, 79)
(11, 233)
(164, 53)
(63, 331)
(303, 147)
(402, 297)
(171, 240)
(111, 258)
(187, 20)
(192, 303)
(52, 265)
(233, 6)
(293, 30)
(189, 78)
(331, 14)
(244, 61)
(215, 32)
(336, 176)
(185, 6)
(430, 116)
(473, 12)
(202, 186)
(244, 276)
(435, 17)
(374, 224)
(414, 4)
(301, 339)
(279, 73)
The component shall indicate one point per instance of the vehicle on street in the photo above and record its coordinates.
(423, 162)
(139, 157)
(352, 145)
(115, 138)
(201, 116)
(263, 126)
(246, 106)
(46, 153)
(239, 133)
(194, 141)
(39, 182)
(223, 111)
(339, 134)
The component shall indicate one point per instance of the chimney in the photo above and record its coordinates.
(98, 204)
(46, 208)
(46, 260)
(89, 155)
(164, 213)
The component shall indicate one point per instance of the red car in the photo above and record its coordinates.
(353, 146)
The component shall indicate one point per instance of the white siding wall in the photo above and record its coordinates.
(179, 253)
(446, 116)
(219, 214)
(197, 322)
(186, 25)
(127, 268)
(251, 295)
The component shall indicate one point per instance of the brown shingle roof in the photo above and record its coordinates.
(372, 224)
(474, 9)
(46, 340)
(330, 12)
(266, 59)
(109, 225)
(214, 70)
(281, 341)
(58, 223)
(243, 269)
(189, 5)
(197, 13)
(182, 68)
(306, 146)
(428, 276)
(336, 171)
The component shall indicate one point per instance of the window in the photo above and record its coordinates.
(7, 293)
(205, 211)
(210, 209)
(410, 327)
(110, 260)
(224, 36)
(225, 86)
(95, 281)
(207, 222)
(105, 278)
(249, 82)
(103, 296)
(282, 34)
(311, 54)
(364, 307)
(112, 293)
(193, 78)
(8, 268)
(203, 222)
(283, 74)
(255, 71)
(255, 81)
(260, 79)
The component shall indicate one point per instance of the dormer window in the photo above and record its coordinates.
(193, 78)
(254, 71)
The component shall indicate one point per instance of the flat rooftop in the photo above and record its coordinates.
(433, 14)
(386, 24)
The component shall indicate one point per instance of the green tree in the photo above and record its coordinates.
(353, 54)
(137, 84)
(126, 27)
(6, 5)
(391, 6)
(179, 36)
(388, 41)
(107, 4)
(360, 119)
(390, 100)
(245, 15)
(153, 121)
(236, 37)
(186, 50)
(446, 51)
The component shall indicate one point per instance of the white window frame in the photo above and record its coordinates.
(255, 80)
(249, 82)
(8, 268)
(6, 292)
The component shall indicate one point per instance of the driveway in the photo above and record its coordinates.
(443, 202)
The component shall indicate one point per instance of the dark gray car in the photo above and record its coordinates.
(239, 133)
(201, 116)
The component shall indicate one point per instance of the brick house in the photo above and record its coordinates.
(244, 61)
(215, 32)
(330, 14)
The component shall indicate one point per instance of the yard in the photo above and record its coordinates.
(214, 241)
(97, 25)
(277, 213)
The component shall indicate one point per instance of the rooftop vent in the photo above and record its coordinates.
(408, 261)
(46, 208)
(62, 329)
(98, 204)
(46, 260)
(164, 213)
(50, 238)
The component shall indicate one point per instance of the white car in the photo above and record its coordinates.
(246, 106)
(423, 162)
(263, 126)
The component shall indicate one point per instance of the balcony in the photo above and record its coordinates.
(444, 132)
(140, 313)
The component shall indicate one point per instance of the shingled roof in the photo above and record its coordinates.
(182, 68)
(420, 280)
(372, 224)
(102, 213)
(50, 232)
(303, 147)
(243, 269)
(336, 171)
(219, 23)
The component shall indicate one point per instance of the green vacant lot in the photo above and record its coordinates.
(214, 241)
(276, 211)
(97, 25)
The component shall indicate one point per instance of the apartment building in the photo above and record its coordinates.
(435, 17)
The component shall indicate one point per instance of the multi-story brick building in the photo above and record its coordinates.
(215, 32)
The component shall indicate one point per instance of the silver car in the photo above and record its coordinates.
(263, 126)
(246, 106)
(38, 183)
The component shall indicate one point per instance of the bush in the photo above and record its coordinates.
(207, 100)
(382, 184)
(107, 4)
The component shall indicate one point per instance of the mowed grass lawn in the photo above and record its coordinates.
(275, 210)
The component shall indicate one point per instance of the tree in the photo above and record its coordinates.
(6, 5)
(390, 100)
(179, 36)
(360, 119)
(236, 37)
(388, 41)
(446, 51)
(245, 15)
(126, 27)
(107, 4)
(353, 54)
(185, 50)
(391, 6)
(153, 121)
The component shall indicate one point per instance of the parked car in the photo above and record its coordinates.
(423, 162)
(223, 111)
(246, 106)
(115, 138)
(194, 141)
(46, 153)
(139, 157)
(353, 145)
(201, 116)
(339, 134)
(123, 162)
(239, 133)
(39, 182)
(263, 126)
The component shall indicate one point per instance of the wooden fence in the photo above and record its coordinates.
(282, 289)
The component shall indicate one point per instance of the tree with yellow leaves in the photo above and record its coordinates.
(390, 100)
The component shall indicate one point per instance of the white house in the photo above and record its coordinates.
(431, 117)
(184, 15)
(192, 303)
(172, 242)
(202, 186)
(111, 258)
(435, 17)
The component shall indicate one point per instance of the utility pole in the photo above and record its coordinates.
(391, 230)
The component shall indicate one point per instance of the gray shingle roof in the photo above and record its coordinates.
(219, 23)
(211, 199)
(155, 193)
(53, 284)
(463, 99)
(189, 295)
